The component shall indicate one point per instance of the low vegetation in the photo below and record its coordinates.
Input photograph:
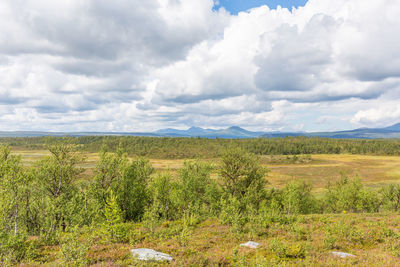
(53, 211)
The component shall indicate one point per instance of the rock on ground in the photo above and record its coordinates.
(147, 254)
(342, 254)
(250, 244)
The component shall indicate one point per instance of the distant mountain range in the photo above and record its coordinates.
(231, 132)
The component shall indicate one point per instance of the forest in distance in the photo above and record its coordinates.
(58, 211)
(172, 148)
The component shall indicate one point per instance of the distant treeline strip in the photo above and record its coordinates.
(166, 147)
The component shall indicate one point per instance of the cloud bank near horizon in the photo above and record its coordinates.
(130, 65)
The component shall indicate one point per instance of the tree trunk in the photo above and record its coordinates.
(16, 220)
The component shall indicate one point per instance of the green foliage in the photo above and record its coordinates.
(283, 250)
(162, 192)
(271, 212)
(193, 193)
(238, 260)
(298, 199)
(132, 189)
(83, 207)
(74, 251)
(109, 170)
(348, 195)
(391, 197)
(345, 233)
(127, 180)
(56, 176)
(243, 177)
(13, 248)
(113, 218)
(243, 182)
(231, 213)
(196, 191)
(14, 182)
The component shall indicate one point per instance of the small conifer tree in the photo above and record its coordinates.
(113, 216)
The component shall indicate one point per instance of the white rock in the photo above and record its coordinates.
(146, 254)
(342, 254)
(250, 244)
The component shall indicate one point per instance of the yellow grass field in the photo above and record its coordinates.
(372, 170)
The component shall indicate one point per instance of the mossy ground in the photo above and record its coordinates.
(304, 240)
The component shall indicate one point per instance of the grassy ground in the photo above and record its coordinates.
(306, 240)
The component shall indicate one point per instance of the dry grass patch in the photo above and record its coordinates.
(321, 169)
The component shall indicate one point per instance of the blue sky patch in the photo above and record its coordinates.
(235, 6)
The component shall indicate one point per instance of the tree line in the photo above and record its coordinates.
(168, 147)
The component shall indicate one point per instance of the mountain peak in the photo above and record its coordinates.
(236, 128)
(394, 127)
(195, 128)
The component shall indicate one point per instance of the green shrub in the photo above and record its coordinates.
(293, 250)
(109, 169)
(74, 251)
(243, 177)
(350, 195)
(391, 197)
(330, 241)
(162, 192)
(297, 198)
(301, 233)
(196, 191)
(231, 213)
(56, 177)
(48, 238)
(113, 219)
(12, 248)
(132, 192)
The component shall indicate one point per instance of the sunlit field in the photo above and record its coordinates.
(319, 170)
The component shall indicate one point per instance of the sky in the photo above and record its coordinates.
(236, 6)
(134, 66)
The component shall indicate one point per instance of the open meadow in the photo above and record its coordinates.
(319, 169)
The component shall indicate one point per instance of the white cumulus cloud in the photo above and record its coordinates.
(129, 65)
